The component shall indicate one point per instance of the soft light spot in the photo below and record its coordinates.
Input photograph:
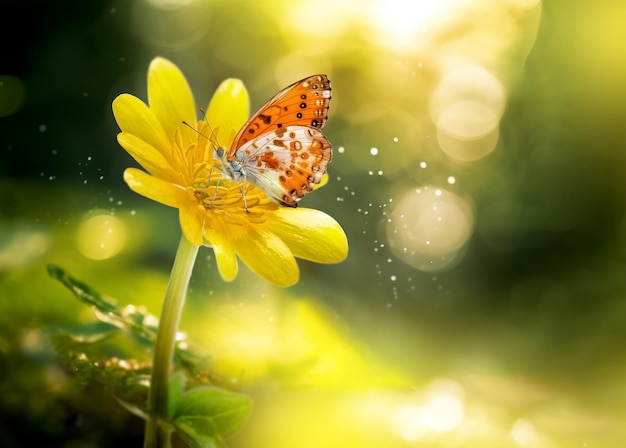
(43, 128)
(451, 180)
(523, 433)
(444, 412)
(409, 422)
(21, 245)
(374, 151)
(341, 150)
(440, 408)
(429, 227)
(466, 107)
(467, 131)
(101, 236)
(11, 95)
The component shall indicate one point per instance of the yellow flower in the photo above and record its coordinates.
(180, 173)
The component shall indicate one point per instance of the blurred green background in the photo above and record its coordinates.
(479, 173)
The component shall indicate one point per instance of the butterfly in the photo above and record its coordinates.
(281, 148)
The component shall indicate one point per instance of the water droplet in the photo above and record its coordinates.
(451, 180)
(341, 150)
(423, 165)
(374, 151)
(395, 139)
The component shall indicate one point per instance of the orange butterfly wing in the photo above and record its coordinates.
(304, 103)
(281, 147)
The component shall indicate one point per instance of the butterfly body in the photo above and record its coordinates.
(281, 149)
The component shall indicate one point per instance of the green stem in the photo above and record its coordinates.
(159, 435)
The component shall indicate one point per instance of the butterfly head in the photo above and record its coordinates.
(231, 167)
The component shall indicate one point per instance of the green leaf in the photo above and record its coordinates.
(204, 415)
(134, 320)
(85, 333)
(127, 379)
(177, 387)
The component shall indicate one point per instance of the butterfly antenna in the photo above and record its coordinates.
(212, 137)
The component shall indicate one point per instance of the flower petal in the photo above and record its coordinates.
(135, 118)
(228, 110)
(170, 98)
(147, 156)
(268, 256)
(155, 188)
(224, 251)
(310, 234)
(191, 222)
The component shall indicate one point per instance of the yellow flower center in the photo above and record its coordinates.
(221, 197)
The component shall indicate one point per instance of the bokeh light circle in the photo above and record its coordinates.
(467, 131)
(11, 95)
(428, 228)
(101, 236)
(466, 108)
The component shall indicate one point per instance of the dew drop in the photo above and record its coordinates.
(374, 151)
(423, 165)
(341, 150)
(451, 180)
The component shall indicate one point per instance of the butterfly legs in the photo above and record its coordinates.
(242, 186)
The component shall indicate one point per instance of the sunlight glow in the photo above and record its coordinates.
(399, 21)
(101, 236)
